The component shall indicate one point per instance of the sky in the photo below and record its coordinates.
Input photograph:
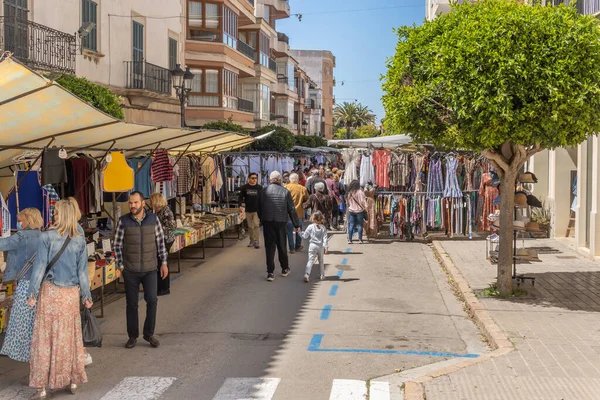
(360, 35)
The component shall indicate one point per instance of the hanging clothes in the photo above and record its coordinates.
(418, 160)
(50, 198)
(367, 172)
(27, 194)
(142, 167)
(4, 218)
(399, 169)
(435, 180)
(452, 188)
(54, 169)
(161, 169)
(381, 162)
(184, 178)
(351, 157)
(117, 176)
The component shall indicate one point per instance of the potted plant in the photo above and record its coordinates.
(543, 217)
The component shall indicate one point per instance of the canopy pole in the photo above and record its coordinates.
(182, 154)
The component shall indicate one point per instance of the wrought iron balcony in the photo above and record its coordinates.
(246, 49)
(251, 2)
(272, 65)
(282, 78)
(145, 76)
(282, 37)
(38, 46)
(245, 105)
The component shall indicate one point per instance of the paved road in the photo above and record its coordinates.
(226, 333)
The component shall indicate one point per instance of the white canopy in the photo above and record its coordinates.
(36, 112)
(379, 141)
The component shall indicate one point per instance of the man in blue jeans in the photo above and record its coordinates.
(299, 197)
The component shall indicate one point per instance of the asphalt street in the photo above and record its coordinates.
(226, 333)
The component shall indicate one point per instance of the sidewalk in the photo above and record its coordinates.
(555, 329)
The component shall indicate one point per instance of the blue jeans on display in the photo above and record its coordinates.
(355, 220)
(294, 245)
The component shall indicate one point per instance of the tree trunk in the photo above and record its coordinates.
(348, 132)
(507, 214)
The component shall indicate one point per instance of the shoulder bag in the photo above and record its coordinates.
(57, 256)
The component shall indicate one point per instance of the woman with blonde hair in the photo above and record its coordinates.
(60, 277)
(21, 248)
(167, 221)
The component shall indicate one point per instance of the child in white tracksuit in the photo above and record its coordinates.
(317, 235)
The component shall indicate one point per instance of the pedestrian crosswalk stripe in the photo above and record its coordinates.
(379, 390)
(248, 389)
(139, 388)
(348, 389)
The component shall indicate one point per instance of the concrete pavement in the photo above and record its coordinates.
(226, 333)
(554, 329)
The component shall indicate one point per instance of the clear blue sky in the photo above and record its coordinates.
(360, 40)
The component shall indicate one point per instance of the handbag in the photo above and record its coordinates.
(57, 256)
(90, 330)
(26, 268)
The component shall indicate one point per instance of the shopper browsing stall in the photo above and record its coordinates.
(319, 201)
(276, 205)
(167, 221)
(139, 243)
(249, 200)
(316, 233)
(299, 196)
(357, 206)
(21, 248)
(60, 276)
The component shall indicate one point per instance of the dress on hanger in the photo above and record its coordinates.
(381, 161)
(350, 157)
(452, 188)
(367, 172)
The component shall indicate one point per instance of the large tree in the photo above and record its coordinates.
(352, 115)
(500, 77)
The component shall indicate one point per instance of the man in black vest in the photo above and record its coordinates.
(139, 243)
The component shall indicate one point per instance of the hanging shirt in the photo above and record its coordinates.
(399, 169)
(367, 172)
(381, 161)
(452, 188)
(161, 169)
(350, 157)
(117, 176)
(184, 179)
(141, 167)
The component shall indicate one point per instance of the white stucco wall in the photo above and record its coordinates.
(115, 32)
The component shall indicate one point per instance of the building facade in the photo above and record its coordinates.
(319, 65)
(125, 47)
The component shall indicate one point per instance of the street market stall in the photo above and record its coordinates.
(53, 145)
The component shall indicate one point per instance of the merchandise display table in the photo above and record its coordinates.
(206, 227)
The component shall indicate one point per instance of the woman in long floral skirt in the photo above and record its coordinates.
(21, 248)
(59, 280)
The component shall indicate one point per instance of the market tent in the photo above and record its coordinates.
(36, 112)
(379, 141)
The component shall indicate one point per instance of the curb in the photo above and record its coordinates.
(414, 389)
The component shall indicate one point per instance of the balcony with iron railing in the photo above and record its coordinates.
(312, 104)
(272, 65)
(282, 37)
(38, 46)
(251, 2)
(246, 50)
(245, 105)
(145, 76)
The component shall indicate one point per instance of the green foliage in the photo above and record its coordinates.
(496, 71)
(352, 115)
(367, 131)
(226, 125)
(493, 291)
(282, 140)
(96, 95)
(340, 133)
(309, 141)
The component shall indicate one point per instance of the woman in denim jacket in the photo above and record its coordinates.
(21, 248)
(57, 357)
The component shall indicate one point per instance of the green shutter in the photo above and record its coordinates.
(172, 53)
(138, 42)
(89, 13)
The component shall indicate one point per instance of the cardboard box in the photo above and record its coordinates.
(98, 279)
(91, 270)
(109, 273)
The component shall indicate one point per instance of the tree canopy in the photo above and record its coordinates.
(496, 71)
(226, 125)
(281, 140)
(352, 115)
(365, 131)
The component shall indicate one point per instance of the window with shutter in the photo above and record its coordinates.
(138, 55)
(172, 53)
(89, 13)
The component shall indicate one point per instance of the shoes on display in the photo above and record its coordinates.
(87, 359)
(306, 278)
(285, 272)
(131, 343)
(152, 340)
(270, 278)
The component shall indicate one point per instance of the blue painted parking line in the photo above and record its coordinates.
(344, 261)
(340, 273)
(348, 250)
(325, 313)
(334, 290)
(315, 346)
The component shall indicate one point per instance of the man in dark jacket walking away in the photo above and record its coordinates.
(310, 186)
(276, 205)
(250, 198)
(139, 243)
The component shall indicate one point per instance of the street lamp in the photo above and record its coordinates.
(182, 83)
(304, 126)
